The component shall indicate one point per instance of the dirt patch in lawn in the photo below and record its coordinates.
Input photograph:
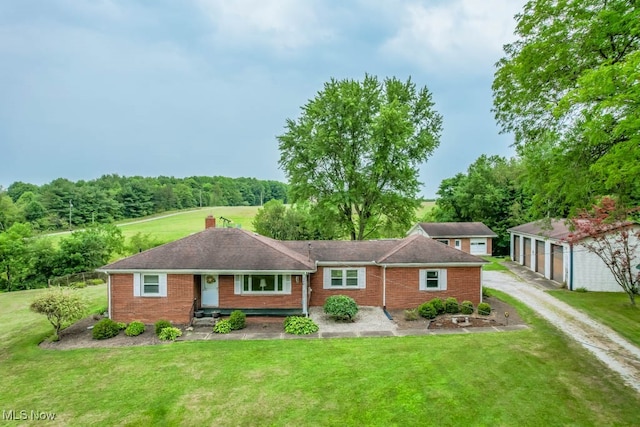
(445, 321)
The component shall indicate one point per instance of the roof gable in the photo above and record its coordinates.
(417, 249)
(456, 229)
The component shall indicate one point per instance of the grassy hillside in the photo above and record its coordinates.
(531, 377)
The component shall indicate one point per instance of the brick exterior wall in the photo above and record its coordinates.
(228, 299)
(371, 295)
(175, 307)
(403, 291)
(466, 244)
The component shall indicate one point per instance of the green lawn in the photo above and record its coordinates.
(531, 377)
(184, 223)
(495, 264)
(611, 308)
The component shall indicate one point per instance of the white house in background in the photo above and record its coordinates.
(543, 247)
(474, 238)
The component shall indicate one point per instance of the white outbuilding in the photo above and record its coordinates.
(545, 247)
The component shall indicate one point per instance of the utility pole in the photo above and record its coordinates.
(70, 206)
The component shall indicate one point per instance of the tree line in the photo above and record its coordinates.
(63, 204)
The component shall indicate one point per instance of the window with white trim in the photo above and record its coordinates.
(433, 280)
(264, 284)
(150, 285)
(344, 278)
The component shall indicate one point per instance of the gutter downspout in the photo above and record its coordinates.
(384, 288)
(571, 266)
(305, 303)
(109, 295)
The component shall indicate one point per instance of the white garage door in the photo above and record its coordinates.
(478, 246)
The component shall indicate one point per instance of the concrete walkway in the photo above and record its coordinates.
(614, 351)
(196, 335)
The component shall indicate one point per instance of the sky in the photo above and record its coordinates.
(204, 87)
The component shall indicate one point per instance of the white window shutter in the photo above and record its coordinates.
(326, 278)
(286, 286)
(442, 275)
(238, 284)
(162, 282)
(136, 284)
(422, 284)
(362, 277)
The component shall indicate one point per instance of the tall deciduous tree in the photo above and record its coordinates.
(355, 151)
(606, 232)
(568, 89)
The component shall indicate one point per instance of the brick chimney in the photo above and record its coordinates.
(210, 222)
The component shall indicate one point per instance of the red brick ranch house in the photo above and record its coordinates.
(222, 269)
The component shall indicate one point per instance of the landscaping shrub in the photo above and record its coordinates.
(104, 329)
(298, 325)
(451, 305)
(438, 304)
(238, 320)
(427, 310)
(341, 307)
(160, 325)
(61, 306)
(484, 309)
(466, 307)
(169, 334)
(79, 285)
(134, 329)
(411, 314)
(94, 282)
(122, 325)
(222, 326)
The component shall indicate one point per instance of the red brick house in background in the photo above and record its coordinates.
(474, 238)
(222, 269)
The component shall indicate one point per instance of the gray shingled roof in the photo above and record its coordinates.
(230, 249)
(218, 249)
(555, 229)
(456, 229)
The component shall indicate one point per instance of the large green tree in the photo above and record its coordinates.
(490, 192)
(568, 89)
(355, 150)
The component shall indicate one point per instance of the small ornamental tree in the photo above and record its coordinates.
(606, 232)
(61, 306)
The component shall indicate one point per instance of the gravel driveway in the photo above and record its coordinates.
(613, 350)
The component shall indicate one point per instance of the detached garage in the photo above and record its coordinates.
(543, 247)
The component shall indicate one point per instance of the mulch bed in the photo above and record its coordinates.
(444, 321)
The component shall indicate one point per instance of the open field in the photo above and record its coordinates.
(532, 377)
(610, 308)
(169, 228)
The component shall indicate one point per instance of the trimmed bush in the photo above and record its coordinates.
(122, 326)
(104, 329)
(298, 325)
(61, 306)
(169, 334)
(466, 307)
(222, 326)
(411, 314)
(427, 310)
(160, 325)
(438, 304)
(238, 320)
(484, 309)
(134, 329)
(451, 305)
(341, 307)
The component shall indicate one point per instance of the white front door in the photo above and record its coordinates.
(209, 286)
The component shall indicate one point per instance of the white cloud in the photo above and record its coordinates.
(456, 34)
(281, 25)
